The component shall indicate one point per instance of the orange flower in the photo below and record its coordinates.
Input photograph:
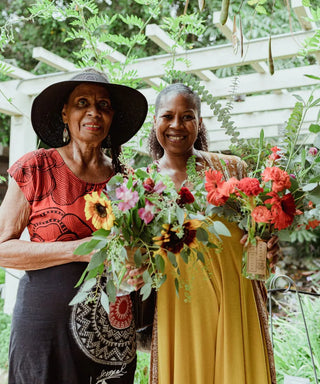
(261, 214)
(275, 156)
(228, 187)
(250, 186)
(313, 224)
(280, 179)
(99, 210)
(283, 210)
(310, 205)
(214, 181)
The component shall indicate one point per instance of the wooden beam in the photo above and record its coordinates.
(111, 54)
(17, 73)
(255, 82)
(263, 103)
(303, 14)
(12, 102)
(36, 85)
(115, 56)
(218, 141)
(52, 60)
(284, 46)
(256, 121)
(164, 41)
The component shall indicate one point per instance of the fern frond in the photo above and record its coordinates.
(132, 20)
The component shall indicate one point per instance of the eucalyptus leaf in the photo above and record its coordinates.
(87, 285)
(176, 283)
(309, 187)
(81, 278)
(123, 253)
(200, 256)
(160, 264)
(184, 255)
(211, 245)
(221, 229)
(101, 232)
(198, 216)
(79, 297)
(146, 277)
(95, 271)
(202, 234)
(111, 290)
(97, 259)
(180, 215)
(146, 291)
(172, 258)
(162, 280)
(105, 301)
(314, 195)
(86, 248)
(138, 257)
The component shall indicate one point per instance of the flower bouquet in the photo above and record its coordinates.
(281, 196)
(141, 220)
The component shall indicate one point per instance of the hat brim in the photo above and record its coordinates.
(130, 107)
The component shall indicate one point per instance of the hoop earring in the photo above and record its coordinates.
(65, 134)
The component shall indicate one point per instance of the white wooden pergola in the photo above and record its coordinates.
(268, 100)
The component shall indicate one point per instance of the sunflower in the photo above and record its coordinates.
(171, 240)
(99, 210)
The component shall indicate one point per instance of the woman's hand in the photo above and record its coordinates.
(273, 252)
(133, 275)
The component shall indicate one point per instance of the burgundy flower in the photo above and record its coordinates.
(186, 197)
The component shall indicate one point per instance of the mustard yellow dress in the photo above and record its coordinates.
(212, 333)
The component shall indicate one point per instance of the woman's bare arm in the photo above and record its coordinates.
(26, 255)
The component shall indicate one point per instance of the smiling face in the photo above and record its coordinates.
(177, 123)
(88, 113)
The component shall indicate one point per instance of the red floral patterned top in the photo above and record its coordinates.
(55, 195)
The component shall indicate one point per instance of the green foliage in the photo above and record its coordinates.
(312, 44)
(2, 275)
(292, 355)
(142, 371)
(5, 326)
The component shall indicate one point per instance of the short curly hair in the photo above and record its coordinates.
(201, 143)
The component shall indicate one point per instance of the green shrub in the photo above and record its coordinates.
(5, 325)
(291, 350)
(142, 372)
(2, 275)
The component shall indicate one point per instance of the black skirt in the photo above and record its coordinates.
(54, 343)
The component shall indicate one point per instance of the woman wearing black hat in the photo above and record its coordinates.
(51, 342)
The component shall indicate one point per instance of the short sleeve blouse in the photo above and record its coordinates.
(56, 196)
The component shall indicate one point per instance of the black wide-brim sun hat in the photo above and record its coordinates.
(129, 104)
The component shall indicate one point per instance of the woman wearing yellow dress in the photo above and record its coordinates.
(220, 335)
